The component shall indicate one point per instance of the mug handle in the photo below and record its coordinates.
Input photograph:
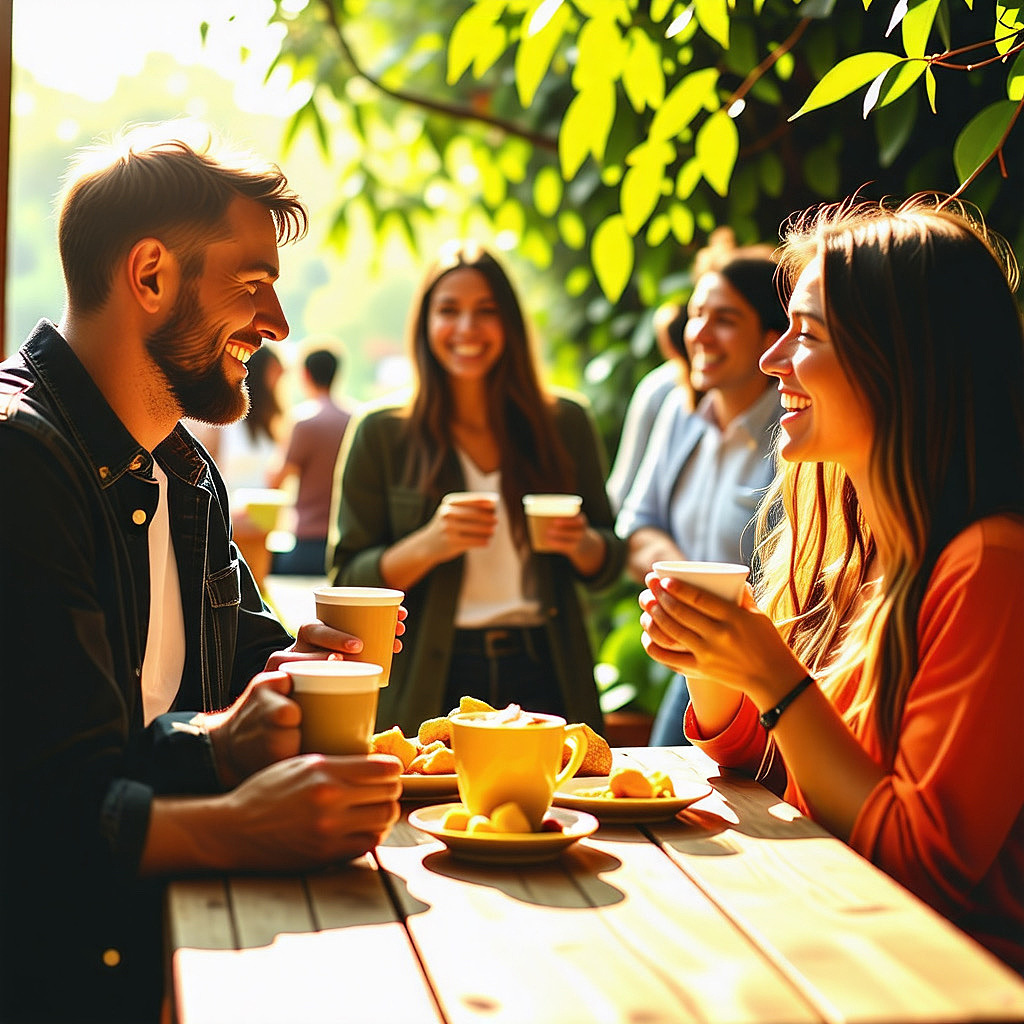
(577, 740)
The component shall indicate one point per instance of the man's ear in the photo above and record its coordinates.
(152, 275)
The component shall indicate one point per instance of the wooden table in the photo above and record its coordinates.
(739, 910)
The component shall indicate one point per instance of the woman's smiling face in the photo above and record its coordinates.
(825, 417)
(464, 326)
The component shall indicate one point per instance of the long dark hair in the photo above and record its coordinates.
(533, 457)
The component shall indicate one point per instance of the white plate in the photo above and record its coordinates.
(578, 794)
(420, 786)
(505, 847)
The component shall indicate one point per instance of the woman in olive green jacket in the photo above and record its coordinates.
(488, 617)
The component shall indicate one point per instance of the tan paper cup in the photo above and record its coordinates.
(339, 704)
(725, 579)
(540, 509)
(370, 613)
(261, 504)
(499, 761)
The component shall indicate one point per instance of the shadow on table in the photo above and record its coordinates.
(541, 884)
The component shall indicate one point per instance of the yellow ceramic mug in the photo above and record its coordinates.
(509, 757)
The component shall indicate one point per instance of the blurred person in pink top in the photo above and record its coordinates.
(875, 675)
(310, 455)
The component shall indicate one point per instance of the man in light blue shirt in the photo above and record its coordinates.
(704, 472)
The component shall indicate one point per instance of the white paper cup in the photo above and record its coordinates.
(541, 508)
(370, 613)
(725, 579)
(339, 704)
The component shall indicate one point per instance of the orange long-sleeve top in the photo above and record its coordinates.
(947, 821)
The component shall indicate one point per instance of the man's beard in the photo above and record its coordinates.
(189, 354)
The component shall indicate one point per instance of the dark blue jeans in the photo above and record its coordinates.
(667, 730)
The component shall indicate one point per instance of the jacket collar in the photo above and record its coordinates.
(108, 445)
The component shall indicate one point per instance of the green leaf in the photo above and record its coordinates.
(845, 77)
(572, 229)
(585, 127)
(1015, 79)
(657, 230)
(713, 17)
(917, 27)
(490, 46)
(534, 53)
(682, 220)
(468, 33)
(1008, 21)
(601, 52)
(980, 137)
(642, 75)
(611, 255)
(772, 173)
(683, 103)
(892, 84)
(716, 148)
(547, 191)
(641, 190)
(929, 87)
(688, 178)
(893, 127)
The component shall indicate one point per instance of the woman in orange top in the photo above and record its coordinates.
(877, 672)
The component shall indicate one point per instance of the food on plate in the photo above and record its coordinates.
(506, 818)
(437, 759)
(631, 783)
(434, 729)
(393, 741)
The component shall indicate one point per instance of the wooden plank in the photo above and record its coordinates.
(325, 950)
(510, 945)
(198, 914)
(829, 918)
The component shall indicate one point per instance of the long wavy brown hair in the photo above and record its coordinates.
(919, 304)
(533, 457)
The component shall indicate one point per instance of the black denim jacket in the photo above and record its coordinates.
(79, 768)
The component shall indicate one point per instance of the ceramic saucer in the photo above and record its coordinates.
(583, 794)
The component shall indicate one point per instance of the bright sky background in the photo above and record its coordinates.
(84, 46)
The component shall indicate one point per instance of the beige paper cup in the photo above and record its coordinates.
(725, 579)
(519, 761)
(339, 704)
(370, 613)
(540, 509)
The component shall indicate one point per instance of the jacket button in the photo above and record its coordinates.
(111, 957)
(138, 517)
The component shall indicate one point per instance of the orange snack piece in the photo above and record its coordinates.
(393, 741)
(434, 729)
(598, 760)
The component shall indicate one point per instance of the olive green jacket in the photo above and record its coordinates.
(373, 510)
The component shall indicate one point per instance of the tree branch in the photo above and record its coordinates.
(453, 110)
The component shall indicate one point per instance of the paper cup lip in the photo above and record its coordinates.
(371, 596)
(322, 676)
(538, 502)
(718, 568)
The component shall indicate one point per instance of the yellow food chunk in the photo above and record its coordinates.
(661, 784)
(469, 704)
(598, 759)
(509, 818)
(630, 782)
(456, 819)
(434, 729)
(394, 741)
(479, 823)
(440, 761)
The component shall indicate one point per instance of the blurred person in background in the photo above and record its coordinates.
(310, 455)
(648, 398)
(706, 470)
